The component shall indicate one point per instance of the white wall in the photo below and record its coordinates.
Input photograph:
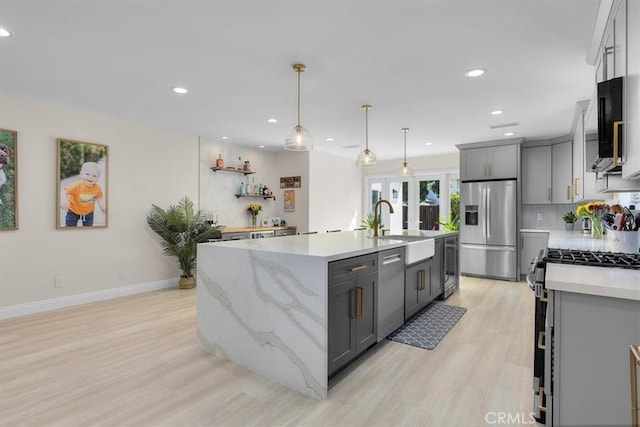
(336, 192)
(292, 163)
(145, 166)
(434, 163)
(218, 189)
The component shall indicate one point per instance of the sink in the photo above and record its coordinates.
(418, 248)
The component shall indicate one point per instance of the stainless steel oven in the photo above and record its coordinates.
(543, 336)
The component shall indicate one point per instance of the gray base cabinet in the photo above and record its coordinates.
(353, 299)
(437, 270)
(417, 291)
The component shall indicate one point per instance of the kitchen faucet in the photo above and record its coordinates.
(376, 219)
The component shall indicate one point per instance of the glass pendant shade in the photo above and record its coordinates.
(299, 139)
(366, 159)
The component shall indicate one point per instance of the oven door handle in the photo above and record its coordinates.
(531, 273)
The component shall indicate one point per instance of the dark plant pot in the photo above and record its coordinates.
(569, 226)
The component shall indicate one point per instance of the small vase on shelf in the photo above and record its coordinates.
(254, 220)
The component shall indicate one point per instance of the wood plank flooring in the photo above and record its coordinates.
(134, 361)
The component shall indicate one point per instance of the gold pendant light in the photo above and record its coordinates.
(405, 170)
(366, 159)
(299, 139)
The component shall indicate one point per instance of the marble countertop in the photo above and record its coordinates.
(249, 229)
(577, 240)
(330, 246)
(601, 281)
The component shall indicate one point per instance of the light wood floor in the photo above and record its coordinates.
(134, 361)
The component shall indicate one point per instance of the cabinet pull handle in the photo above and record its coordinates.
(545, 296)
(354, 306)
(359, 302)
(616, 141)
(568, 192)
(575, 186)
(549, 194)
(541, 340)
(634, 360)
(358, 268)
(541, 394)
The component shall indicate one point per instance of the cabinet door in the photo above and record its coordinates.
(531, 245)
(619, 31)
(342, 346)
(561, 165)
(502, 161)
(631, 128)
(578, 160)
(437, 270)
(424, 295)
(536, 175)
(473, 164)
(367, 325)
(416, 287)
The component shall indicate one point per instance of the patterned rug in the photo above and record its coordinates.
(427, 328)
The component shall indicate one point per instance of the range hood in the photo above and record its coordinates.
(609, 183)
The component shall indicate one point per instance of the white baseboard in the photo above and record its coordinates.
(71, 300)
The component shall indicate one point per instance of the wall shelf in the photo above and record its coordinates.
(215, 169)
(255, 196)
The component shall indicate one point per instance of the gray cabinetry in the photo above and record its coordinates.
(536, 175)
(437, 270)
(531, 243)
(352, 309)
(498, 162)
(561, 189)
(390, 291)
(417, 292)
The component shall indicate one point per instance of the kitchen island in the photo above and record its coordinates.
(263, 303)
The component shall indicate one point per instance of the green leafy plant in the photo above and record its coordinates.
(453, 223)
(368, 222)
(570, 217)
(181, 228)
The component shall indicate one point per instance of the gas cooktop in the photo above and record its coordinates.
(593, 258)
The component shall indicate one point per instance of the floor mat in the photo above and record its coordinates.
(429, 326)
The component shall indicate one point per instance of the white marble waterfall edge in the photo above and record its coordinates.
(265, 311)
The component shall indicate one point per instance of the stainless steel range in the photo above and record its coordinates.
(542, 366)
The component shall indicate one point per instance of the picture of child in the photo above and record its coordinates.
(82, 196)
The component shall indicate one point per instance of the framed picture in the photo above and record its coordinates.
(8, 179)
(289, 200)
(83, 176)
(290, 182)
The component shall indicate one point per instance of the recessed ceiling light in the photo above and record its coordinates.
(261, 146)
(329, 139)
(224, 137)
(272, 120)
(428, 143)
(5, 33)
(476, 72)
(509, 134)
(497, 112)
(179, 90)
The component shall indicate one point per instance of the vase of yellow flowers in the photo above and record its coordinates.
(595, 211)
(253, 209)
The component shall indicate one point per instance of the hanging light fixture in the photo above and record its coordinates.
(366, 159)
(405, 170)
(299, 139)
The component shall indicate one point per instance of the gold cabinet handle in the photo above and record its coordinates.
(616, 141)
(541, 340)
(358, 268)
(634, 360)
(568, 192)
(359, 305)
(575, 186)
(541, 394)
(544, 297)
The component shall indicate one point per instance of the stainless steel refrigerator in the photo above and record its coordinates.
(488, 234)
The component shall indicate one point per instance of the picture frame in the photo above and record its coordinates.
(8, 179)
(290, 182)
(289, 200)
(82, 184)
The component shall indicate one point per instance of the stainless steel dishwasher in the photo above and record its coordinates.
(390, 291)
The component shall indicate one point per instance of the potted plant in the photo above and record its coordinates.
(181, 229)
(569, 219)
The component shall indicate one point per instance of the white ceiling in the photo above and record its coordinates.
(405, 58)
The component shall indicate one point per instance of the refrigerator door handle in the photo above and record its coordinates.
(483, 210)
(488, 212)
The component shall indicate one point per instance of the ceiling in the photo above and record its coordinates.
(405, 58)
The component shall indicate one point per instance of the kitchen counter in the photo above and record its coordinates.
(249, 229)
(600, 281)
(263, 303)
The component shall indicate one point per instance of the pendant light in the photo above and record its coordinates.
(366, 159)
(405, 170)
(299, 139)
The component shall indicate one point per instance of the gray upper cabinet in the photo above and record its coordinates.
(496, 162)
(561, 160)
(536, 175)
